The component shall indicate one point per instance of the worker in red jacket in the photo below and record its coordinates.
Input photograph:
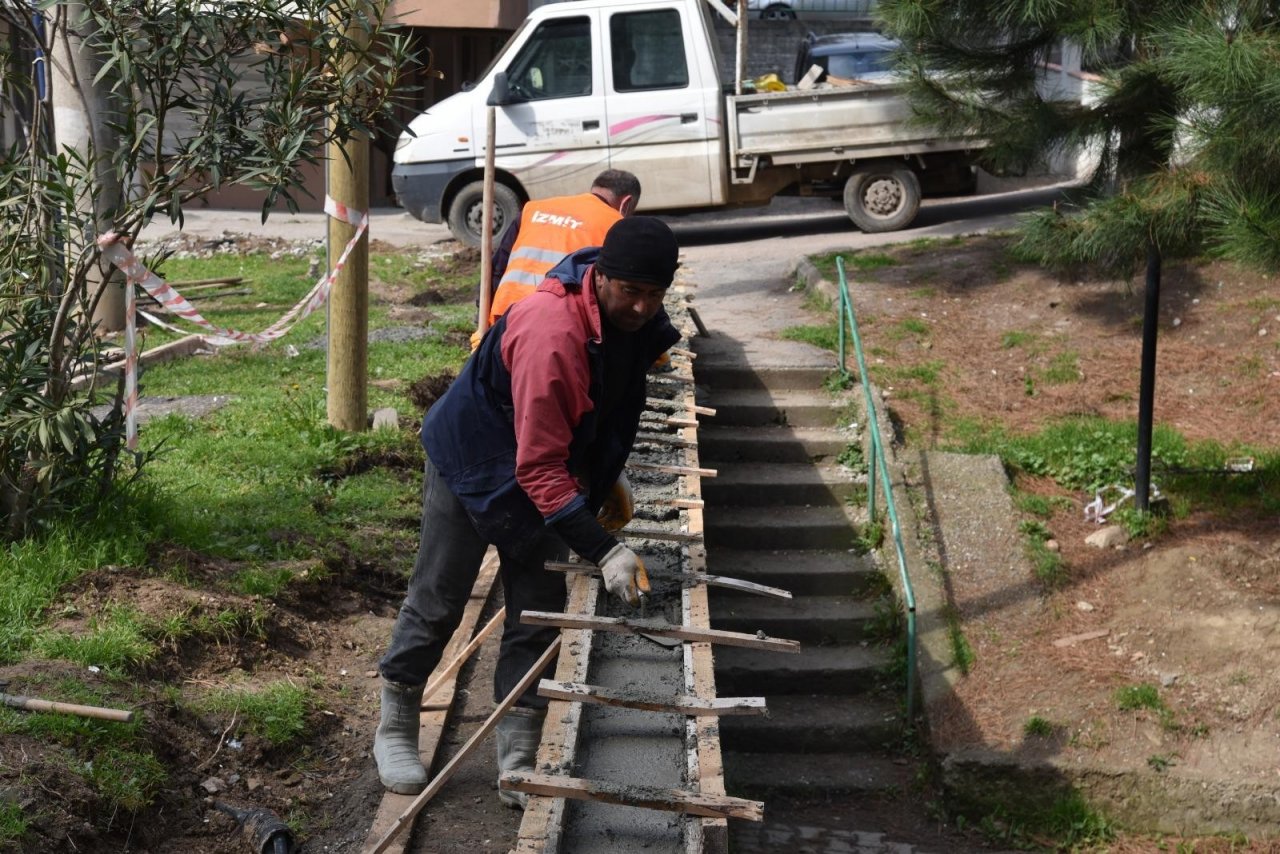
(548, 230)
(522, 451)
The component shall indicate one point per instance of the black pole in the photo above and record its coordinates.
(1147, 386)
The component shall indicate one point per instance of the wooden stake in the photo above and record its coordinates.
(486, 220)
(454, 666)
(697, 321)
(680, 704)
(681, 422)
(621, 625)
(447, 771)
(628, 795)
(680, 351)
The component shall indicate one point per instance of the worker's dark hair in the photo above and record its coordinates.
(619, 182)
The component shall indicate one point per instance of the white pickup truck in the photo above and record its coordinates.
(635, 84)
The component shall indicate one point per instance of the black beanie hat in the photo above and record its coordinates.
(639, 249)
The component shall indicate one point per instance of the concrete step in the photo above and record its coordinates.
(722, 375)
(771, 443)
(808, 619)
(781, 527)
(770, 837)
(782, 483)
(761, 774)
(759, 407)
(837, 669)
(831, 573)
(816, 723)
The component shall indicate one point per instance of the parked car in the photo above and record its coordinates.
(789, 10)
(866, 57)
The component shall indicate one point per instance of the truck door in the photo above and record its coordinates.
(552, 135)
(658, 125)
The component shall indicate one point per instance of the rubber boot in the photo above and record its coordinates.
(395, 744)
(519, 734)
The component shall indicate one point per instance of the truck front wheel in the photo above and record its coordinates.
(466, 214)
(882, 198)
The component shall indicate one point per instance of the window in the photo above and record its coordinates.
(648, 51)
(554, 63)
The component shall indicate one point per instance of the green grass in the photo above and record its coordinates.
(13, 822)
(1017, 339)
(1038, 505)
(825, 336)
(275, 712)
(854, 260)
(1145, 697)
(1045, 564)
(926, 373)
(1063, 368)
(1038, 727)
(914, 326)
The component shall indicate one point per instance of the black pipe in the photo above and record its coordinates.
(1147, 382)
(263, 829)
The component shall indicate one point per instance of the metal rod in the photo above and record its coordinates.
(1147, 381)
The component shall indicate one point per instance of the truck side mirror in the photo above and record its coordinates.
(500, 95)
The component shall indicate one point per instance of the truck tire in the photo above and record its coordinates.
(466, 214)
(778, 12)
(882, 198)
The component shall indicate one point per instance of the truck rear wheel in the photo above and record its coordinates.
(884, 198)
(466, 214)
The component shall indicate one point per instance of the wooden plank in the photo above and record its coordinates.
(685, 577)
(706, 768)
(685, 470)
(628, 795)
(681, 351)
(490, 723)
(543, 819)
(662, 439)
(622, 625)
(435, 715)
(664, 403)
(661, 534)
(681, 422)
(680, 704)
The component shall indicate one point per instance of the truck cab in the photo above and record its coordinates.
(629, 84)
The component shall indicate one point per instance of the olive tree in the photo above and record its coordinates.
(198, 96)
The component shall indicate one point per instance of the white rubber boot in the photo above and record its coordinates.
(395, 744)
(519, 734)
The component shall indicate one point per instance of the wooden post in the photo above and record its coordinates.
(740, 68)
(486, 229)
(348, 357)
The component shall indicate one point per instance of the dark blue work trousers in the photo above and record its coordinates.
(450, 552)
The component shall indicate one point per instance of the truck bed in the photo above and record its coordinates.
(833, 122)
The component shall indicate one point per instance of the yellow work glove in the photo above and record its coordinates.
(619, 508)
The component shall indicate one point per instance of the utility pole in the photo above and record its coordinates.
(81, 110)
(348, 356)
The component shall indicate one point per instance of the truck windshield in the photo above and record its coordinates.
(502, 51)
(555, 62)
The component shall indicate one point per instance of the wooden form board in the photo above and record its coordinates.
(681, 704)
(705, 764)
(648, 797)
(651, 628)
(435, 716)
(543, 821)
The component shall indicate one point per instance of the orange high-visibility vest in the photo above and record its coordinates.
(549, 230)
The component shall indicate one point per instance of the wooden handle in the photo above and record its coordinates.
(31, 704)
(451, 669)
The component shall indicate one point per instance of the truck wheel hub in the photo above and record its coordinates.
(883, 197)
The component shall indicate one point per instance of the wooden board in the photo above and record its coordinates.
(626, 626)
(680, 704)
(435, 716)
(646, 797)
(543, 820)
(706, 766)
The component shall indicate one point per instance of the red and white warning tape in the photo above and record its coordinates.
(119, 254)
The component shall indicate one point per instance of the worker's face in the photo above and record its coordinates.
(628, 305)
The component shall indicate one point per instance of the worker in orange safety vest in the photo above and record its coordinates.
(550, 229)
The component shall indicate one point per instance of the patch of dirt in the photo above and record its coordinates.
(427, 390)
(1192, 612)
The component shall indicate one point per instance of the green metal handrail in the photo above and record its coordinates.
(876, 463)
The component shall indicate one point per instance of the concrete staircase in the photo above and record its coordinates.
(783, 512)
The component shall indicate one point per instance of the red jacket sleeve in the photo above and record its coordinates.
(544, 351)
